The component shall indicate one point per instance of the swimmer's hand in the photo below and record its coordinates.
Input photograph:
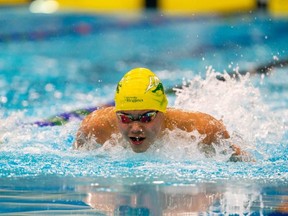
(240, 155)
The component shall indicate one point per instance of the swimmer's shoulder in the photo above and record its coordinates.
(180, 114)
(101, 118)
(189, 120)
(102, 112)
(178, 118)
(98, 125)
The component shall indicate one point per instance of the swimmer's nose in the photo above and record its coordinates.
(136, 127)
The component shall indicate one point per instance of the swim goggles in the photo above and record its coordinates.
(143, 118)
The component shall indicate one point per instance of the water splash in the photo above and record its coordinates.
(32, 151)
(237, 102)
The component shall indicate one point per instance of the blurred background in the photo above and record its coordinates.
(56, 52)
(279, 7)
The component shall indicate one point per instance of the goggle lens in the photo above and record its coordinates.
(144, 118)
(125, 119)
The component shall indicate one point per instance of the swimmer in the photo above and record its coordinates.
(141, 117)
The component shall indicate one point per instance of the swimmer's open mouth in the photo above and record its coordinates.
(137, 140)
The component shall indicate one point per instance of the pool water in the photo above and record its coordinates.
(51, 64)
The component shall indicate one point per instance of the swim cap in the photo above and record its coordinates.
(140, 89)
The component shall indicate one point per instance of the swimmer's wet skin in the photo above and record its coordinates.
(141, 117)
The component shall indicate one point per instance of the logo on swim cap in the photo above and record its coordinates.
(155, 82)
(140, 89)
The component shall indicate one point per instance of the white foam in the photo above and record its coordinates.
(237, 103)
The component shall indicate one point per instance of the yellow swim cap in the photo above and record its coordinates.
(140, 89)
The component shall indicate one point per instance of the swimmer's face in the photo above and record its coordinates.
(140, 127)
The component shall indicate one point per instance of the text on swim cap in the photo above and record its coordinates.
(133, 99)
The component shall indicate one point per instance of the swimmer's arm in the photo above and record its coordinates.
(80, 140)
(238, 155)
(87, 133)
(219, 132)
(213, 129)
(97, 126)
